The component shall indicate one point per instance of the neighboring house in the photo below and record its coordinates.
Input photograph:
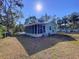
(45, 26)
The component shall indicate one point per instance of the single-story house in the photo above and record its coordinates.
(40, 28)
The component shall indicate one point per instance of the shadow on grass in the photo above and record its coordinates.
(34, 45)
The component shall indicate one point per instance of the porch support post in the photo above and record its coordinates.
(37, 28)
(34, 29)
(41, 26)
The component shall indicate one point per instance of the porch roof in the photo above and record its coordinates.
(30, 24)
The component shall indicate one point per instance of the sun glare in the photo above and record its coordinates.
(39, 7)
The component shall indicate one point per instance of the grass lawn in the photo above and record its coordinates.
(74, 35)
(63, 50)
(11, 48)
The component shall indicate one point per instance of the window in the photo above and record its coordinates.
(50, 28)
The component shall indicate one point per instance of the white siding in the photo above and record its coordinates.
(48, 30)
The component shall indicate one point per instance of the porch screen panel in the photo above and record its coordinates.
(32, 29)
(35, 29)
(40, 28)
(43, 29)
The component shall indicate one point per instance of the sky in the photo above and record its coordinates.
(51, 7)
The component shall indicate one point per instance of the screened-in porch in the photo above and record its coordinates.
(35, 29)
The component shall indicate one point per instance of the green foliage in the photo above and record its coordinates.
(2, 30)
(10, 11)
(19, 28)
(70, 21)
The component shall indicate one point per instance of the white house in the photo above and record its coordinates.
(44, 26)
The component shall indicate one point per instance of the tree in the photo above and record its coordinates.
(2, 29)
(10, 10)
(59, 24)
(19, 28)
(31, 19)
(65, 22)
(74, 18)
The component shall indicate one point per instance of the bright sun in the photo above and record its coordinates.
(38, 7)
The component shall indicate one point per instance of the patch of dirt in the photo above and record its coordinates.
(35, 45)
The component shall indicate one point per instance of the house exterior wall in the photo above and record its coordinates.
(50, 28)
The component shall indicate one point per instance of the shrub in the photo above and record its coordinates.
(2, 30)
